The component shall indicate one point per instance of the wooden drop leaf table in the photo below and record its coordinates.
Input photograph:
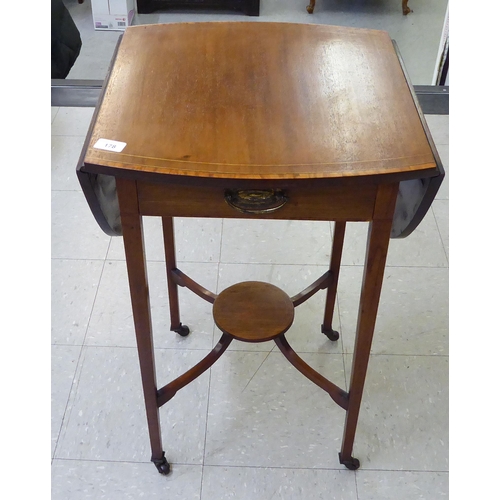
(257, 120)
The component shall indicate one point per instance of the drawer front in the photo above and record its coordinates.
(350, 203)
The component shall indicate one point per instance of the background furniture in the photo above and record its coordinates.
(249, 7)
(272, 121)
(406, 9)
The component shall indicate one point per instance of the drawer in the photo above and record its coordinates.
(350, 203)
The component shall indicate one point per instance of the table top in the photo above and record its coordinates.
(258, 100)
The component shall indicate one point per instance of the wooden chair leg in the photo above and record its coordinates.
(173, 294)
(331, 294)
(138, 282)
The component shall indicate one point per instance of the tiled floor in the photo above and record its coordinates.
(232, 433)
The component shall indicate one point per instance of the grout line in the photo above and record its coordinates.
(66, 135)
(97, 291)
(207, 349)
(210, 369)
(77, 259)
(275, 467)
(201, 480)
(73, 390)
(258, 368)
(440, 235)
(348, 353)
(220, 252)
(76, 190)
(308, 264)
(404, 355)
(356, 491)
(55, 115)
(347, 382)
(206, 430)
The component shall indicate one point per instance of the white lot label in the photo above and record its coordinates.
(109, 145)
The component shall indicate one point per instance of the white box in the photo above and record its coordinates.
(112, 15)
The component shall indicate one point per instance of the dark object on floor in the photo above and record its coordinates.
(65, 40)
(249, 7)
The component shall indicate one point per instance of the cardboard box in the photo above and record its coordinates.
(112, 15)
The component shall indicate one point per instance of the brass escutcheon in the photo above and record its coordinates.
(255, 201)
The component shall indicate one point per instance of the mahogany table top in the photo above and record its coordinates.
(258, 100)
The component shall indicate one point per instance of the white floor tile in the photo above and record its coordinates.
(72, 121)
(100, 480)
(112, 323)
(439, 127)
(90, 67)
(422, 248)
(197, 240)
(276, 242)
(106, 417)
(63, 367)
(403, 422)
(53, 113)
(65, 154)
(264, 413)
(245, 483)
(392, 485)
(75, 233)
(74, 288)
(441, 213)
(413, 311)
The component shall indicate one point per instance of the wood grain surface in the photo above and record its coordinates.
(253, 311)
(259, 101)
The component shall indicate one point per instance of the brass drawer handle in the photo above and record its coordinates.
(255, 201)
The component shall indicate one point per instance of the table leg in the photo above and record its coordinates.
(173, 294)
(139, 292)
(377, 246)
(331, 294)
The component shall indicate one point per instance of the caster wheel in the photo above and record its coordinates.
(351, 463)
(182, 330)
(163, 468)
(330, 333)
(162, 465)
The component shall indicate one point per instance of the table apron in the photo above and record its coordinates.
(349, 203)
